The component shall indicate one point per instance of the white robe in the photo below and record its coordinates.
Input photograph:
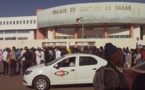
(37, 53)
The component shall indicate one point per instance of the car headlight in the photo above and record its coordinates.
(28, 72)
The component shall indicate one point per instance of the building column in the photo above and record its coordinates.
(131, 31)
(40, 34)
(105, 31)
(54, 32)
(54, 35)
(76, 34)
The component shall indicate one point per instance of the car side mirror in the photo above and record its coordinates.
(56, 66)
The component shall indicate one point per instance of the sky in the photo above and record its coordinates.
(14, 8)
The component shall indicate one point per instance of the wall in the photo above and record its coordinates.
(18, 26)
(38, 43)
(17, 35)
(136, 31)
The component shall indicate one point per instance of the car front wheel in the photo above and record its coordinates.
(41, 83)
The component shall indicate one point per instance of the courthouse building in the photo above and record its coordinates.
(84, 24)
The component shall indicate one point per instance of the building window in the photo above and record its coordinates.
(20, 22)
(10, 32)
(8, 38)
(65, 29)
(27, 21)
(91, 28)
(1, 32)
(3, 22)
(0, 23)
(13, 22)
(113, 27)
(22, 38)
(30, 21)
(7, 22)
(10, 22)
(13, 38)
(127, 36)
(34, 21)
(64, 37)
(1, 38)
(24, 31)
(117, 27)
(17, 22)
(23, 21)
(118, 36)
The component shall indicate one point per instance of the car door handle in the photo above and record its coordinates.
(94, 68)
(72, 70)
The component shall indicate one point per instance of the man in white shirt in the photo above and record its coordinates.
(22, 51)
(42, 56)
(38, 55)
(5, 62)
(57, 53)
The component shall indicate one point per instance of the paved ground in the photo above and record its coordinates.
(15, 83)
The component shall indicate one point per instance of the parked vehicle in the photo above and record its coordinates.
(131, 73)
(68, 69)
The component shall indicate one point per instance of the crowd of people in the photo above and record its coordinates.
(19, 59)
(110, 77)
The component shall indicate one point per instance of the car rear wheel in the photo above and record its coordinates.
(41, 83)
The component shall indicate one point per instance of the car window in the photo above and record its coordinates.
(83, 61)
(67, 62)
(55, 60)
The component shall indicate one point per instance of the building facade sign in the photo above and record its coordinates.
(105, 12)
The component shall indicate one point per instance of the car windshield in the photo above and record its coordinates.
(55, 60)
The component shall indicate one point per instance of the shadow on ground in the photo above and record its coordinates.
(74, 86)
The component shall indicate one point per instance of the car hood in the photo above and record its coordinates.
(37, 66)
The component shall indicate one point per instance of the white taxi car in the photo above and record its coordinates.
(68, 69)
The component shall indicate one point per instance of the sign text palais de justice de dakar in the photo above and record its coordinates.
(92, 8)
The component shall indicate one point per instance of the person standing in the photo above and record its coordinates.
(128, 58)
(102, 53)
(5, 63)
(113, 79)
(28, 57)
(139, 82)
(57, 53)
(64, 51)
(52, 53)
(47, 55)
(42, 57)
(37, 53)
(18, 60)
(22, 51)
(13, 61)
(137, 59)
(33, 61)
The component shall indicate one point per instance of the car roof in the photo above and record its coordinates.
(80, 54)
